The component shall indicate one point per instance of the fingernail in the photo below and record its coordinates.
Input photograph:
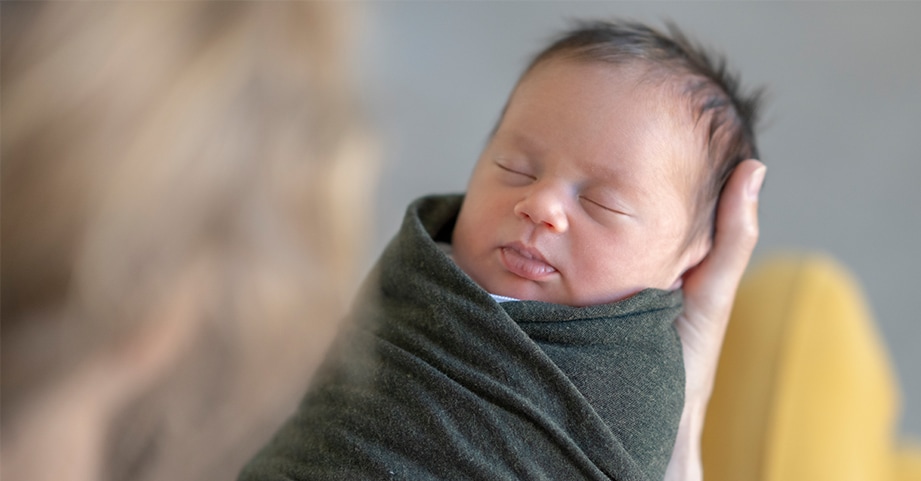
(754, 183)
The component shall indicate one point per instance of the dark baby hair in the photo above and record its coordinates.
(714, 93)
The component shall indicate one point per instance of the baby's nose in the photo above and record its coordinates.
(544, 206)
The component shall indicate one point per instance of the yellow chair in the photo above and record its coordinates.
(804, 390)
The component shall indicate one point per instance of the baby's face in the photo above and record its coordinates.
(583, 195)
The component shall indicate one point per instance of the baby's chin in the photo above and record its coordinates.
(555, 294)
(522, 290)
(587, 299)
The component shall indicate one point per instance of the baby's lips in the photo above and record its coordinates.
(525, 262)
(526, 252)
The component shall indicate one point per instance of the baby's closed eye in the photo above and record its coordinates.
(603, 206)
(515, 174)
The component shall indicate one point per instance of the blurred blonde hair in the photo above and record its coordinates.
(186, 177)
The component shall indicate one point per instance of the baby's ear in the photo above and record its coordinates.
(693, 255)
(695, 252)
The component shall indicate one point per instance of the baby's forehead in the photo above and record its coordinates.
(663, 94)
(673, 89)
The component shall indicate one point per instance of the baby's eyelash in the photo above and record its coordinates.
(513, 171)
(610, 209)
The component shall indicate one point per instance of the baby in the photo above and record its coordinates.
(602, 176)
(594, 196)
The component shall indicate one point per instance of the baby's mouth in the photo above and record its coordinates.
(525, 262)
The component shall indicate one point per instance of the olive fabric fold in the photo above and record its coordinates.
(433, 379)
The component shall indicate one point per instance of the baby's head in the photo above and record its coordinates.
(603, 174)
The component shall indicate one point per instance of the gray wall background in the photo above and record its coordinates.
(842, 132)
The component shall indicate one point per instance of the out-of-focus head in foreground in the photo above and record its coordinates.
(184, 190)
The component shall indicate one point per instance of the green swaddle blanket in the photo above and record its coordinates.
(433, 379)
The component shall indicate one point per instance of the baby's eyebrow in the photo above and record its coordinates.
(527, 143)
(630, 190)
(606, 172)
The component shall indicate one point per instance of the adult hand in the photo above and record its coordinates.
(709, 291)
